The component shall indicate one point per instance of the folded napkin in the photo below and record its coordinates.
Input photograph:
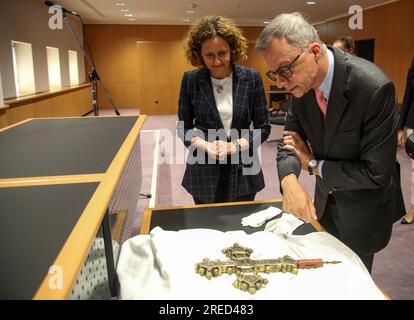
(259, 218)
(286, 224)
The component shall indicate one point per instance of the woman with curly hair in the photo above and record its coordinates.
(219, 101)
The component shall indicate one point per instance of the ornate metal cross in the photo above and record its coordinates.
(247, 270)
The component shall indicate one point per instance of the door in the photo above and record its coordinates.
(160, 68)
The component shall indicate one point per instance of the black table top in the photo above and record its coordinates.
(54, 147)
(222, 218)
(35, 223)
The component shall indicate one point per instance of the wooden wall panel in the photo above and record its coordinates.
(142, 66)
(162, 65)
(20, 113)
(139, 80)
(75, 103)
(42, 109)
(391, 26)
(68, 104)
(3, 118)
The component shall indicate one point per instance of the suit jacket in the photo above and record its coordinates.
(407, 109)
(198, 112)
(358, 143)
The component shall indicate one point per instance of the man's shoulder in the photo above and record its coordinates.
(365, 73)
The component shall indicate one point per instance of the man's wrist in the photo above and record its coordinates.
(313, 166)
(316, 171)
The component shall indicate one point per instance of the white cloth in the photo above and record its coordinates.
(286, 224)
(161, 266)
(259, 218)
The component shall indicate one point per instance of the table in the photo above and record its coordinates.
(57, 179)
(219, 216)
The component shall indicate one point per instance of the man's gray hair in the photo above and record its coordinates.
(292, 26)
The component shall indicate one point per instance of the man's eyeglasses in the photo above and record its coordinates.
(284, 71)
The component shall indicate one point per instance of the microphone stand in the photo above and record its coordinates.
(93, 74)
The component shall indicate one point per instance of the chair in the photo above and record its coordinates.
(277, 95)
(280, 116)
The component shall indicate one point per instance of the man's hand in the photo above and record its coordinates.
(293, 141)
(401, 138)
(296, 200)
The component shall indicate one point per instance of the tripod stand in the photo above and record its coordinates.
(93, 74)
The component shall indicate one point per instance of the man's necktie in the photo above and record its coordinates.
(321, 102)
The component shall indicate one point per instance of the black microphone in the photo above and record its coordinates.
(64, 10)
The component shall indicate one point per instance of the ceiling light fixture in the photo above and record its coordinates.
(132, 19)
(311, 2)
(120, 4)
(266, 22)
(190, 11)
(124, 10)
(128, 15)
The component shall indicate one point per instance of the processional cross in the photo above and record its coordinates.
(247, 270)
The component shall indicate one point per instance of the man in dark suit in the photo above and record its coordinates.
(342, 129)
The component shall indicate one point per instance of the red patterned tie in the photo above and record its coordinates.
(321, 102)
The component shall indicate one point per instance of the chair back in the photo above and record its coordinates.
(276, 96)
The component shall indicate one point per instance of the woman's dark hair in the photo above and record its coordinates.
(349, 44)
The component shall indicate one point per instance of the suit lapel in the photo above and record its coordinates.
(207, 92)
(314, 115)
(240, 94)
(337, 101)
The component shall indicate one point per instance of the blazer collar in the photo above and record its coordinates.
(240, 92)
(239, 75)
(206, 90)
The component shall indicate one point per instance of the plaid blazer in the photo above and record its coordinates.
(358, 143)
(197, 113)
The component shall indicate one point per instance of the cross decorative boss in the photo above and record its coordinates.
(247, 270)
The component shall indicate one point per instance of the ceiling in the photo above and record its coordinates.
(178, 12)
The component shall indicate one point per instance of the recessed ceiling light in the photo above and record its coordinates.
(120, 4)
(128, 15)
(186, 20)
(131, 19)
(190, 11)
(311, 2)
(266, 22)
(124, 10)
